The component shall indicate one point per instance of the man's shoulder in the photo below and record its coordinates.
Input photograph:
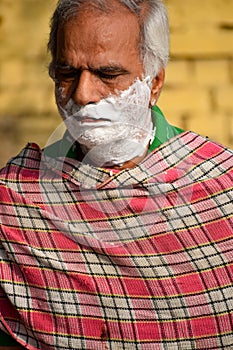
(27, 161)
(195, 154)
(20, 178)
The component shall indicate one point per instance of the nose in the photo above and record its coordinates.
(87, 89)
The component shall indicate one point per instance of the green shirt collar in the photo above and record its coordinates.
(164, 131)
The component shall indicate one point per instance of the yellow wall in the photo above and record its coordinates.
(198, 94)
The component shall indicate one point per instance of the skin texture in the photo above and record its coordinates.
(98, 54)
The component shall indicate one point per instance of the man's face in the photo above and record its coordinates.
(97, 54)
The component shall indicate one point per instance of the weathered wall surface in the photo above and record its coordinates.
(199, 89)
(27, 109)
(198, 94)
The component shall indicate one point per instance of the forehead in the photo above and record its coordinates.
(97, 32)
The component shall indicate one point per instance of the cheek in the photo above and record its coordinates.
(62, 94)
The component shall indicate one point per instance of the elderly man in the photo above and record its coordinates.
(119, 235)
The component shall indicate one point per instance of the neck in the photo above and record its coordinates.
(129, 164)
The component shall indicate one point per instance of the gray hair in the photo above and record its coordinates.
(154, 32)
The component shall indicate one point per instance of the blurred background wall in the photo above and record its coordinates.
(198, 94)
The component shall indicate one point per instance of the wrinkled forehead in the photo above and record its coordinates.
(104, 7)
(118, 27)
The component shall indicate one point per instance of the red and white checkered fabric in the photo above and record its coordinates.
(138, 260)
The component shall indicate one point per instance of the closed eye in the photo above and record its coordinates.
(109, 73)
(64, 73)
(108, 76)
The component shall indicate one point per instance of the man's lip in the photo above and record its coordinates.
(92, 120)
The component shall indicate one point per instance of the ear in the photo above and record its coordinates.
(157, 84)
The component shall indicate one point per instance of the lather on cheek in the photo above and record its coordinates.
(60, 95)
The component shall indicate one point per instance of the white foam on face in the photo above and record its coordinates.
(119, 127)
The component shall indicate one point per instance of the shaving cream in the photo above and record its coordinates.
(114, 130)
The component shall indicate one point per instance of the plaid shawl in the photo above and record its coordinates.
(141, 259)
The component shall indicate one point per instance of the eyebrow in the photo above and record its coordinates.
(101, 69)
(109, 69)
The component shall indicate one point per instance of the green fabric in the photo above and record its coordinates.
(62, 148)
(164, 131)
